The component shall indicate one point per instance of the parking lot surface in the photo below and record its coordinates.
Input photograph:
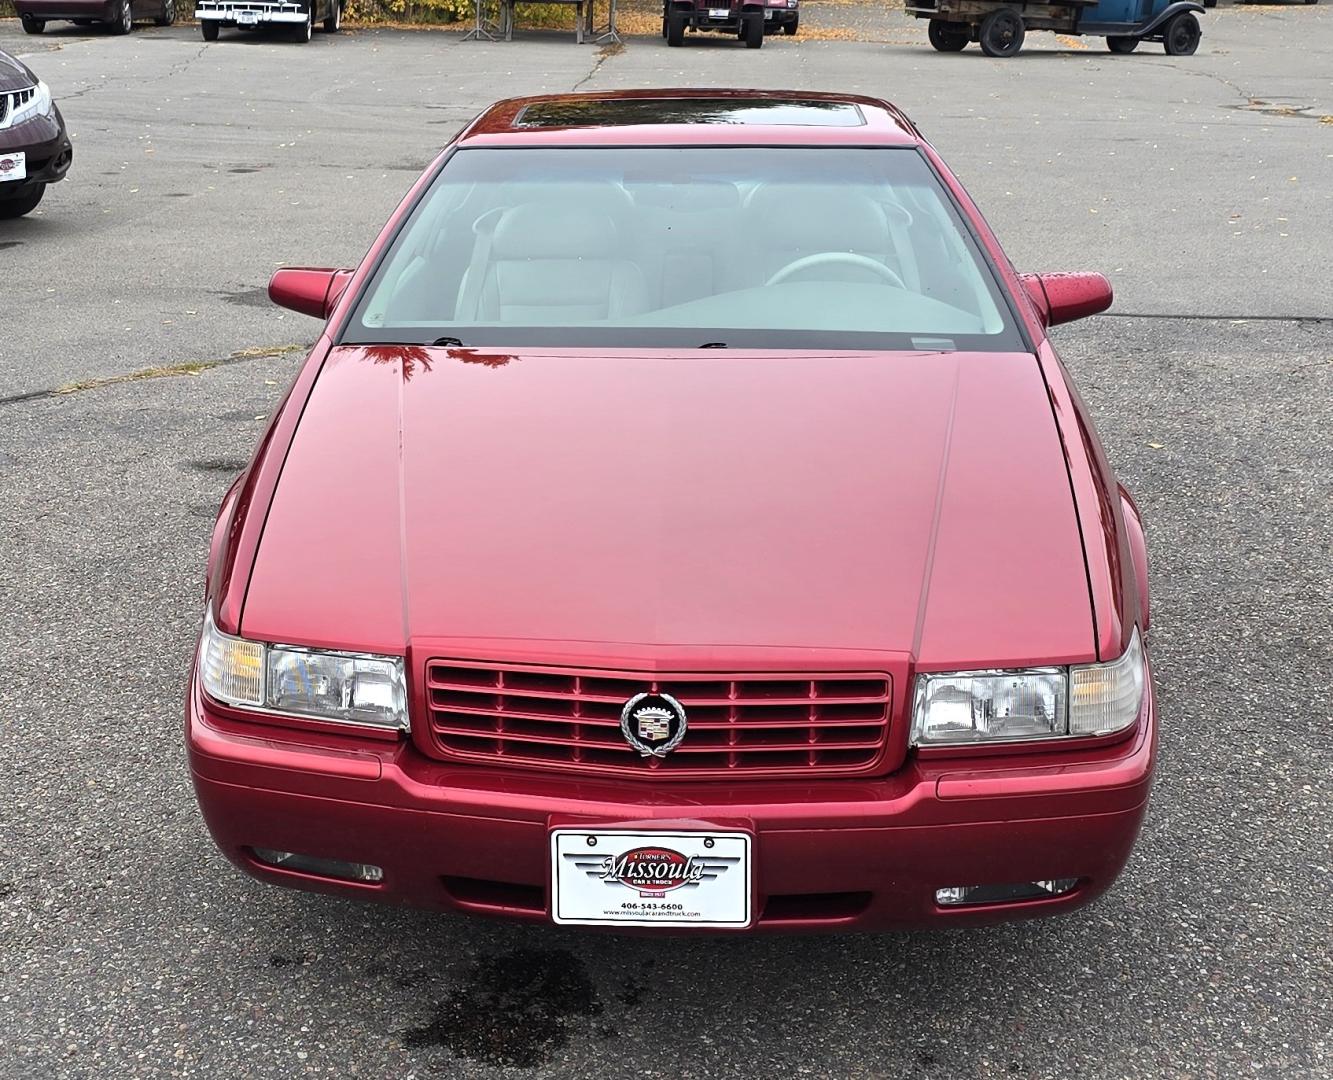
(1202, 185)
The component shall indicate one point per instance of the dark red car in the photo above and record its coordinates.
(119, 16)
(684, 522)
(34, 147)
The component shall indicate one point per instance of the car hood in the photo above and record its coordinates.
(14, 74)
(660, 505)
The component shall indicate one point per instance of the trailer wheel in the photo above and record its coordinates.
(209, 28)
(948, 36)
(1181, 36)
(1122, 45)
(675, 29)
(1002, 33)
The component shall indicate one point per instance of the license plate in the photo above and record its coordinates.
(719, 12)
(247, 18)
(617, 877)
(768, 14)
(13, 166)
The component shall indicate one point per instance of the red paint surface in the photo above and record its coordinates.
(648, 511)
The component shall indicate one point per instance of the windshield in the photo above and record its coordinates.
(741, 247)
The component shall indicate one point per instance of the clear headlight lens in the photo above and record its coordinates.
(957, 708)
(37, 105)
(350, 688)
(341, 686)
(982, 706)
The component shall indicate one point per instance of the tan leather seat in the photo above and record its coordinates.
(549, 264)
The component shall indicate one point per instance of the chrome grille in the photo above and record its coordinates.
(755, 724)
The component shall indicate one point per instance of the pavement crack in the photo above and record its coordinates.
(166, 371)
(610, 49)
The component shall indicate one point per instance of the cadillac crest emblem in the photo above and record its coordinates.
(654, 724)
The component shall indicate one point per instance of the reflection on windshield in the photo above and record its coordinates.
(411, 359)
(758, 247)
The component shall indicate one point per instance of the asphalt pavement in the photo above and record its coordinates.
(129, 947)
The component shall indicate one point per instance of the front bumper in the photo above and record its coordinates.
(46, 144)
(240, 11)
(829, 855)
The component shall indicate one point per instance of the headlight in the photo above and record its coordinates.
(1036, 703)
(37, 105)
(349, 688)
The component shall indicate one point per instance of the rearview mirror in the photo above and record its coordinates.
(1062, 298)
(310, 290)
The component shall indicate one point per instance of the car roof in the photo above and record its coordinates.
(692, 117)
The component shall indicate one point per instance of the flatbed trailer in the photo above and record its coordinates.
(1000, 26)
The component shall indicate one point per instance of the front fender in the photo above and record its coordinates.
(1138, 549)
(1161, 18)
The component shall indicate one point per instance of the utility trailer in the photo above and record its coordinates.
(999, 26)
(298, 16)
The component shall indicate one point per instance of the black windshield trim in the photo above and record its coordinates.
(1017, 324)
(676, 338)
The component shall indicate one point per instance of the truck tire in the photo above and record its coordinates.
(1122, 45)
(675, 29)
(304, 31)
(754, 31)
(209, 28)
(1002, 33)
(1182, 34)
(791, 27)
(333, 22)
(32, 25)
(123, 23)
(948, 36)
(18, 205)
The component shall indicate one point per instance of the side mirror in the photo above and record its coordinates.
(1062, 298)
(310, 290)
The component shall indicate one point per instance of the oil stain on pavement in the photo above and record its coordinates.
(515, 1009)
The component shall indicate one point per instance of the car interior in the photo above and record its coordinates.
(684, 246)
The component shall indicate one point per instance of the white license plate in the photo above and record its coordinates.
(13, 166)
(768, 14)
(719, 12)
(614, 877)
(247, 18)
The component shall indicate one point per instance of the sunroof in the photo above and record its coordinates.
(615, 112)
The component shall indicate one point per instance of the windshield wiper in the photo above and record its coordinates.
(713, 345)
(449, 342)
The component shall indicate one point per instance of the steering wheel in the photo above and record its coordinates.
(819, 258)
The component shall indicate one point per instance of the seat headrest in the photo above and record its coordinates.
(796, 216)
(555, 231)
